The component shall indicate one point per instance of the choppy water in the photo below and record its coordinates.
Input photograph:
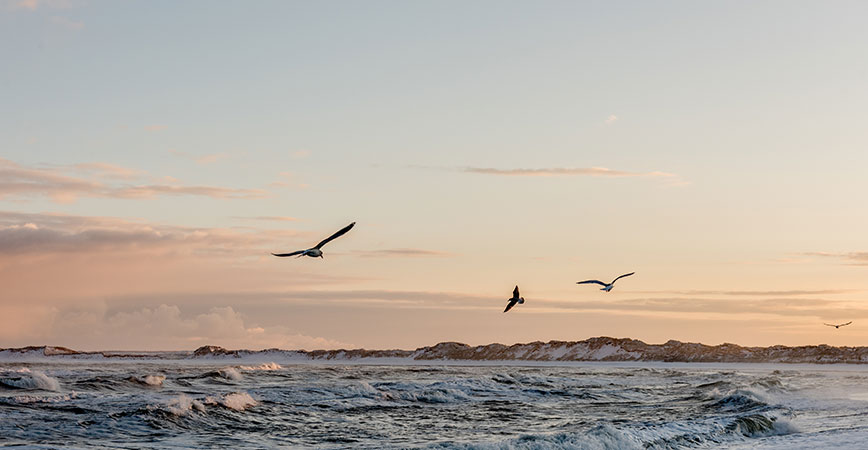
(593, 406)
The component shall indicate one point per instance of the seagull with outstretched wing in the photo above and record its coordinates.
(839, 325)
(515, 299)
(606, 286)
(315, 252)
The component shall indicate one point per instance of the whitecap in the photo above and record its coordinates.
(265, 366)
(239, 401)
(230, 373)
(183, 404)
(154, 380)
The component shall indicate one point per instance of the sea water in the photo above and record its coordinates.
(226, 404)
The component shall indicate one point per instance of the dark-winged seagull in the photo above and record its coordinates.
(606, 286)
(317, 251)
(839, 325)
(515, 299)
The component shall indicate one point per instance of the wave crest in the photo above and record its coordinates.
(238, 401)
(182, 404)
(25, 378)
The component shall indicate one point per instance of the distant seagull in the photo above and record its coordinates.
(606, 287)
(317, 251)
(515, 299)
(839, 325)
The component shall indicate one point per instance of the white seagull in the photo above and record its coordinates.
(839, 325)
(606, 287)
(317, 251)
(515, 299)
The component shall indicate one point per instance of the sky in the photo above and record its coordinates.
(153, 154)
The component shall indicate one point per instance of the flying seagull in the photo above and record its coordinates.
(317, 251)
(515, 299)
(839, 325)
(606, 287)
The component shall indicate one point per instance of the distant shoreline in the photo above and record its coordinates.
(598, 349)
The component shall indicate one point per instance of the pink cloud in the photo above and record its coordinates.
(401, 253)
(97, 180)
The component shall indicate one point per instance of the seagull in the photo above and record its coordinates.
(317, 251)
(839, 325)
(606, 287)
(515, 299)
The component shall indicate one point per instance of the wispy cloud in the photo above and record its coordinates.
(42, 233)
(566, 171)
(65, 184)
(851, 258)
(154, 190)
(153, 128)
(268, 218)
(611, 119)
(108, 170)
(400, 253)
(789, 293)
(300, 154)
(22, 233)
(821, 309)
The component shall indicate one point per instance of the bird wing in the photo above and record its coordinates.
(510, 305)
(622, 276)
(340, 233)
(830, 325)
(591, 281)
(515, 292)
(289, 254)
(848, 323)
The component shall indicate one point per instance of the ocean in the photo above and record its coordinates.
(153, 404)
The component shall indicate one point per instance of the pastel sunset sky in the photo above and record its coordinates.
(153, 154)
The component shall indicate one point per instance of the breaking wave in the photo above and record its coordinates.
(230, 373)
(239, 401)
(183, 404)
(149, 380)
(28, 379)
